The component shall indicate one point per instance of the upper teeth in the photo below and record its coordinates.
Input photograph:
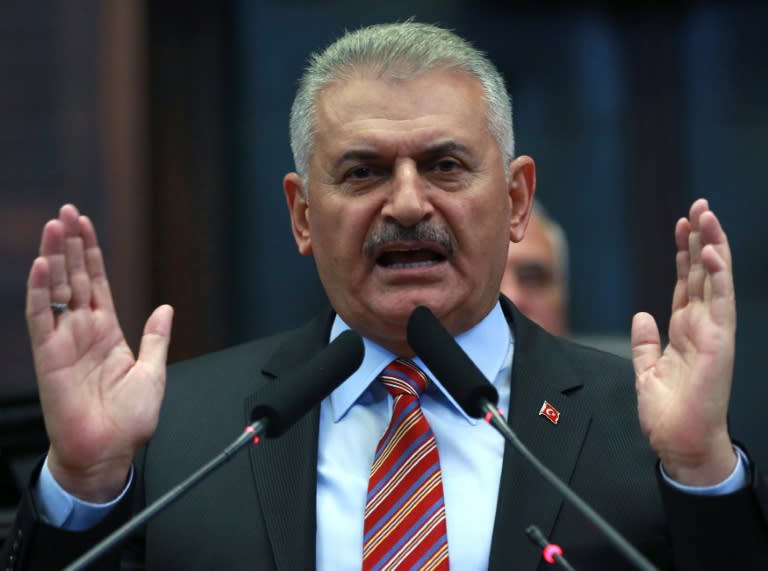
(413, 264)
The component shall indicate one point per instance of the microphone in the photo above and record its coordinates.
(459, 375)
(281, 404)
(472, 391)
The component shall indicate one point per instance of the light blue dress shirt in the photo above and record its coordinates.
(353, 418)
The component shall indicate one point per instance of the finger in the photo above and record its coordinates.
(712, 233)
(153, 350)
(720, 274)
(699, 207)
(682, 264)
(696, 273)
(40, 320)
(646, 342)
(722, 298)
(680, 293)
(52, 249)
(716, 264)
(77, 275)
(101, 294)
(682, 230)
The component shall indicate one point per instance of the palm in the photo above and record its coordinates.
(85, 371)
(683, 392)
(100, 403)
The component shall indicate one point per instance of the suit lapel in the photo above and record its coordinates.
(525, 498)
(285, 471)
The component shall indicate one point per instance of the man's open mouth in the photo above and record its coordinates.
(418, 258)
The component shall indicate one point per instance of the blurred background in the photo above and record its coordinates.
(167, 123)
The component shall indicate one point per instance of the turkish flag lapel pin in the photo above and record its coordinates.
(549, 412)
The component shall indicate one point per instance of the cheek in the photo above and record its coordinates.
(488, 216)
(340, 229)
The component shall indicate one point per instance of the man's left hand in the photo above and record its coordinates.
(683, 393)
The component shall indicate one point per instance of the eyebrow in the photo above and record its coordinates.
(431, 151)
(356, 155)
(446, 147)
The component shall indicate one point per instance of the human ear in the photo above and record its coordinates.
(298, 207)
(521, 188)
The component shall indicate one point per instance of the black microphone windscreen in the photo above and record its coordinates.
(286, 400)
(447, 360)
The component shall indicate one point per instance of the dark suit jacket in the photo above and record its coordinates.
(258, 511)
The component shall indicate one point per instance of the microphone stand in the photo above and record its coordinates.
(252, 432)
(494, 418)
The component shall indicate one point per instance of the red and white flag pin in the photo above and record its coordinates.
(549, 412)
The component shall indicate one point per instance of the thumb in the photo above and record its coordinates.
(153, 350)
(646, 342)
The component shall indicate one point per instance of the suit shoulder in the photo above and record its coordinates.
(592, 354)
(243, 355)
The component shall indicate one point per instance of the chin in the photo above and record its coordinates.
(400, 310)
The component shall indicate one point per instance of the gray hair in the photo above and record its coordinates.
(398, 50)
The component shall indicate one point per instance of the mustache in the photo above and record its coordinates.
(421, 232)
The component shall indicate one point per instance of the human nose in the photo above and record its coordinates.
(407, 203)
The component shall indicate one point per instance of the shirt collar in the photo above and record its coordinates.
(486, 344)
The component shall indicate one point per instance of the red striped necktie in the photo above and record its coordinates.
(405, 511)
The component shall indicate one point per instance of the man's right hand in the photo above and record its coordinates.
(100, 403)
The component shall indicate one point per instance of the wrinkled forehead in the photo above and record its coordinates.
(403, 117)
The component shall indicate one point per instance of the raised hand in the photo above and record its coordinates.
(99, 402)
(683, 393)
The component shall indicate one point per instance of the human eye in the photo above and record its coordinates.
(535, 276)
(447, 172)
(361, 172)
(446, 165)
(360, 177)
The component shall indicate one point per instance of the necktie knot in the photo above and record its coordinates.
(402, 377)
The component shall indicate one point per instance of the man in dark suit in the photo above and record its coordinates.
(407, 193)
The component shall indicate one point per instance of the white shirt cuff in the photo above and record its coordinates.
(63, 510)
(738, 479)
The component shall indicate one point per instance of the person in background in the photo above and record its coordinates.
(536, 275)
